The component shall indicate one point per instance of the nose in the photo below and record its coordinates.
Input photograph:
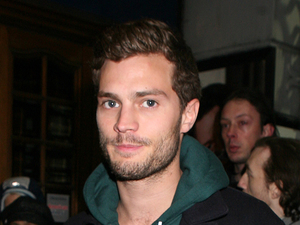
(127, 120)
(243, 183)
(231, 131)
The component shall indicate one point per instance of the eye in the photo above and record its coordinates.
(243, 122)
(224, 125)
(149, 103)
(110, 104)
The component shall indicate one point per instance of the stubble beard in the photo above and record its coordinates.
(165, 150)
(238, 158)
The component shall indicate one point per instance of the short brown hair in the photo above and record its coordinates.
(283, 168)
(145, 37)
(259, 101)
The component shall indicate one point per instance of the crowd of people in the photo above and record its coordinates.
(234, 170)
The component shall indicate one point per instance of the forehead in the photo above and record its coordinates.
(238, 107)
(140, 70)
(259, 156)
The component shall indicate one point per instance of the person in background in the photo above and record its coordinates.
(148, 92)
(26, 211)
(207, 128)
(246, 117)
(22, 202)
(273, 176)
(14, 187)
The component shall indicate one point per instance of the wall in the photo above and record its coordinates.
(221, 27)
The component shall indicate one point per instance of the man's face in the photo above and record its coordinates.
(241, 128)
(138, 116)
(253, 180)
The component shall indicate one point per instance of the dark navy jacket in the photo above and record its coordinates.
(226, 207)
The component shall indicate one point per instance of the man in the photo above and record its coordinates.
(14, 187)
(26, 211)
(272, 175)
(207, 127)
(245, 118)
(148, 90)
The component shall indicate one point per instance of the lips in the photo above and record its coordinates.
(233, 148)
(128, 147)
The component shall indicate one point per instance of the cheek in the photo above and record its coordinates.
(105, 123)
(99, 120)
(162, 120)
(155, 127)
(253, 132)
(250, 188)
(223, 134)
(251, 138)
(254, 187)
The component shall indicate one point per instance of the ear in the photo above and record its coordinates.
(268, 130)
(274, 191)
(189, 115)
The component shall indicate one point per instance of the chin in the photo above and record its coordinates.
(236, 160)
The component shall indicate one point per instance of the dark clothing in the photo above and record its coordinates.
(230, 207)
(225, 207)
(198, 199)
(229, 168)
(83, 218)
(27, 209)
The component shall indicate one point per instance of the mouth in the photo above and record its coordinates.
(233, 148)
(128, 147)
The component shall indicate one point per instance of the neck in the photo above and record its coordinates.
(276, 207)
(238, 170)
(239, 167)
(144, 201)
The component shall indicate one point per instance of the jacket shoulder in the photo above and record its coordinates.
(244, 207)
(230, 207)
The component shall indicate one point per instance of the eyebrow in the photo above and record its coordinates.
(150, 92)
(102, 94)
(138, 94)
(241, 115)
(238, 116)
